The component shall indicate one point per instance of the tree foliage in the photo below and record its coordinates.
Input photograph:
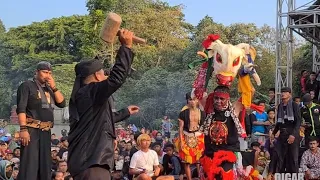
(2, 27)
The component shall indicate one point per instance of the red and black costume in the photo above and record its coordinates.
(221, 137)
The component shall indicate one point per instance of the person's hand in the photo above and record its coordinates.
(115, 144)
(308, 174)
(24, 137)
(156, 171)
(51, 82)
(125, 37)
(291, 139)
(133, 109)
(272, 137)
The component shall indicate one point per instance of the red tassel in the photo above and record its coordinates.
(243, 115)
(205, 65)
(199, 83)
(211, 166)
(211, 38)
(209, 104)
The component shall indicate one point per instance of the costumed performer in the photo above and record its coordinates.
(221, 136)
(190, 138)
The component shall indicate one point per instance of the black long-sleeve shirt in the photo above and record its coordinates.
(293, 128)
(29, 102)
(91, 138)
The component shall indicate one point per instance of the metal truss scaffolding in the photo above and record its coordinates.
(303, 20)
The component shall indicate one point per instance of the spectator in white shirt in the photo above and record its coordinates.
(144, 164)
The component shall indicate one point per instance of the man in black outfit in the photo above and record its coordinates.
(288, 123)
(92, 132)
(35, 104)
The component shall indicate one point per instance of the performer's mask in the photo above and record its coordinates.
(220, 101)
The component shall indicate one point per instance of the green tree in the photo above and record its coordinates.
(2, 27)
(64, 76)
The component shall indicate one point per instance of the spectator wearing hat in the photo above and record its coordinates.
(310, 118)
(14, 143)
(288, 123)
(9, 154)
(35, 104)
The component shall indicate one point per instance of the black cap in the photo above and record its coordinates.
(44, 65)
(155, 144)
(64, 138)
(188, 96)
(255, 143)
(223, 89)
(88, 67)
(306, 99)
(286, 89)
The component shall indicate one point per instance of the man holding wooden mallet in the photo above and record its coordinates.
(92, 131)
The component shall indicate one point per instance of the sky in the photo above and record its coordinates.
(15, 13)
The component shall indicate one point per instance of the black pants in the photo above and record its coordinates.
(35, 160)
(94, 173)
(287, 155)
(167, 134)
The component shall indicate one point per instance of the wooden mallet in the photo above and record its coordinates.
(111, 28)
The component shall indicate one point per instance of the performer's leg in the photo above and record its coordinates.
(293, 154)
(187, 171)
(94, 173)
(29, 160)
(198, 169)
(45, 155)
(282, 150)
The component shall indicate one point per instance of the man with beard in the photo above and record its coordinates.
(288, 123)
(190, 138)
(36, 100)
(6, 169)
(221, 136)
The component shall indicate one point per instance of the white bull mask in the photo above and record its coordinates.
(227, 59)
